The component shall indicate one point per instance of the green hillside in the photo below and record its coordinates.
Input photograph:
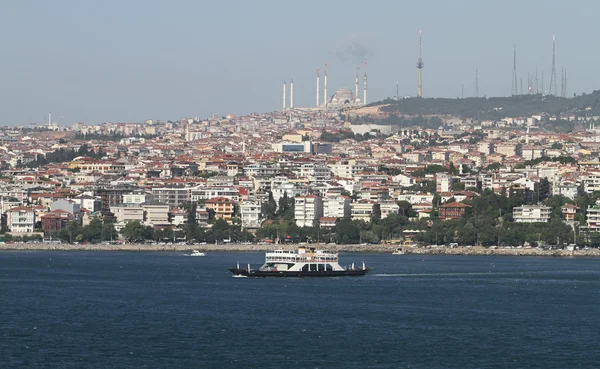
(494, 107)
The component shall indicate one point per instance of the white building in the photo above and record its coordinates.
(593, 218)
(88, 202)
(566, 189)
(388, 207)
(591, 181)
(172, 196)
(282, 185)
(444, 182)
(128, 212)
(136, 197)
(403, 180)
(250, 212)
(363, 210)
(207, 193)
(532, 214)
(313, 171)
(21, 219)
(156, 213)
(337, 206)
(70, 206)
(307, 209)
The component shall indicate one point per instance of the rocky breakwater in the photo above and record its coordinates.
(479, 250)
(139, 247)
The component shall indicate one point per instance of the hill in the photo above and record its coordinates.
(494, 108)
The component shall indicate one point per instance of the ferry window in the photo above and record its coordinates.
(329, 268)
(305, 268)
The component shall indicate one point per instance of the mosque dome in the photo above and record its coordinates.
(342, 98)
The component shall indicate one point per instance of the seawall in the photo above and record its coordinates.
(474, 250)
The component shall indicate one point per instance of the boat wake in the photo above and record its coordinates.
(438, 274)
(494, 273)
(239, 276)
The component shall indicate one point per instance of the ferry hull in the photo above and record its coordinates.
(340, 273)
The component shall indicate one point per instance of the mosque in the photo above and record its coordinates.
(342, 98)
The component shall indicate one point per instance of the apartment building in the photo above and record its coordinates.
(532, 214)
(363, 210)
(453, 210)
(128, 212)
(21, 219)
(156, 213)
(223, 207)
(337, 206)
(308, 209)
(172, 196)
(250, 212)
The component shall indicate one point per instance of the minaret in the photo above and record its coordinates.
(325, 87)
(552, 88)
(365, 87)
(356, 83)
(318, 87)
(49, 119)
(284, 88)
(292, 94)
(420, 69)
(397, 97)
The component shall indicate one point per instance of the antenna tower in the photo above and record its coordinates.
(565, 84)
(476, 82)
(514, 79)
(420, 66)
(562, 82)
(521, 85)
(537, 83)
(552, 88)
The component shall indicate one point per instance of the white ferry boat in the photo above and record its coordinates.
(301, 263)
(197, 253)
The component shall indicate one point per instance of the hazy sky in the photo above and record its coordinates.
(130, 60)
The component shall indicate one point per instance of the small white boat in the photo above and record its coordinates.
(197, 253)
(398, 251)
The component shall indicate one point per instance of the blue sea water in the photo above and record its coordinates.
(167, 310)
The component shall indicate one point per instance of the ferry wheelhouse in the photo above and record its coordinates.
(301, 263)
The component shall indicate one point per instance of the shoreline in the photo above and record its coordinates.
(461, 250)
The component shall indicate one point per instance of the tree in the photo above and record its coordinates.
(93, 231)
(405, 208)
(108, 231)
(346, 231)
(134, 231)
(269, 207)
(220, 230)
(376, 214)
(544, 189)
(368, 237)
(191, 224)
(458, 186)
